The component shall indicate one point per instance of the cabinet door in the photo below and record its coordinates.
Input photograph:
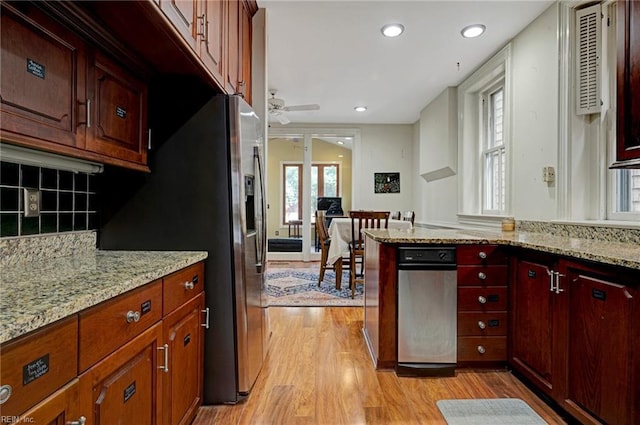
(43, 78)
(244, 73)
(184, 334)
(531, 323)
(183, 16)
(124, 387)
(119, 116)
(212, 44)
(61, 408)
(600, 335)
(233, 47)
(628, 41)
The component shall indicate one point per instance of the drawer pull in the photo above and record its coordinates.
(188, 285)
(5, 393)
(165, 367)
(481, 324)
(81, 421)
(133, 316)
(482, 255)
(482, 276)
(481, 349)
(206, 318)
(482, 300)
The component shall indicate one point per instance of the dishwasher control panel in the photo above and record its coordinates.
(425, 256)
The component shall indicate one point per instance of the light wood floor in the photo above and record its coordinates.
(318, 371)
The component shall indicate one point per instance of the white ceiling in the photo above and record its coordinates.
(332, 53)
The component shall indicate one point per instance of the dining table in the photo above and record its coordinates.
(340, 234)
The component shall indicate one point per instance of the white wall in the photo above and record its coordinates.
(384, 148)
(535, 117)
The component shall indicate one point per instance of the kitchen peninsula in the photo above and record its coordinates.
(571, 311)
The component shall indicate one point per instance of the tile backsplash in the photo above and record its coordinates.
(67, 200)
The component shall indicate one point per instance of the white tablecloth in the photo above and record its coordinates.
(340, 234)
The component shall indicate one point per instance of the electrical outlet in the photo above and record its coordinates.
(277, 233)
(31, 202)
(548, 174)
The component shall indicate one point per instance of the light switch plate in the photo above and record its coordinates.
(548, 174)
(31, 203)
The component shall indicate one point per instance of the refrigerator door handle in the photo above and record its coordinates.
(261, 238)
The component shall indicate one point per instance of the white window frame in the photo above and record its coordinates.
(488, 126)
(472, 138)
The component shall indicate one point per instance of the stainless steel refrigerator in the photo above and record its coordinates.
(205, 192)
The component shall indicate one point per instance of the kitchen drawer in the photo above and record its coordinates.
(181, 286)
(483, 275)
(107, 326)
(38, 364)
(481, 254)
(482, 324)
(481, 349)
(491, 298)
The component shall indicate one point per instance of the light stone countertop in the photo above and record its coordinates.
(37, 293)
(615, 253)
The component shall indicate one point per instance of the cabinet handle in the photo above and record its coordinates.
(81, 421)
(206, 318)
(149, 140)
(482, 300)
(482, 255)
(481, 349)
(552, 280)
(188, 285)
(558, 275)
(133, 316)
(481, 324)
(165, 367)
(202, 27)
(482, 276)
(88, 113)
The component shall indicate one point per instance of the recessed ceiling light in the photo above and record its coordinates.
(340, 156)
(474, 30)
(392, 30)
(360, 108)
(348, 138)
(340, 142)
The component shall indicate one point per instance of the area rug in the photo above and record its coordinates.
(299, 287)
(498, 411)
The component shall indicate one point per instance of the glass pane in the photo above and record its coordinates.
(314, 190)
(292, 191)
(495, 181)
(627, 190)
(330, 180)
(496, 119)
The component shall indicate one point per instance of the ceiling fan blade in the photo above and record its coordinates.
(282, 119)
(312, 107)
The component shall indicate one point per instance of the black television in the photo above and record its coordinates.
(332, 205)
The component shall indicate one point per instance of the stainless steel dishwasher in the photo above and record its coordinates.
(427, 311)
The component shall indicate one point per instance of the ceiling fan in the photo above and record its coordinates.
(277, 108)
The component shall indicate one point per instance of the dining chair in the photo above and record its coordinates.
(325, 242)
(362, 220)
(409, 216)
(396, 215)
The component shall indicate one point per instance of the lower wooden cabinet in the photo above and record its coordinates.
(575, 335)
(60, 408)
(182, 388)
(125, 386)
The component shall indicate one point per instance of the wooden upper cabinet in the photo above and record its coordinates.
(211, 48)
(42, 80)
(183, 14)
(118, 113)
(233, 47)
(245, 72)
(628, 126)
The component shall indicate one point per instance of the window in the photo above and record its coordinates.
(324, 182)
(483, 142)
(627, 193)
(493, 152)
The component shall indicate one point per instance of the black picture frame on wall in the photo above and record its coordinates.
(386, 182)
